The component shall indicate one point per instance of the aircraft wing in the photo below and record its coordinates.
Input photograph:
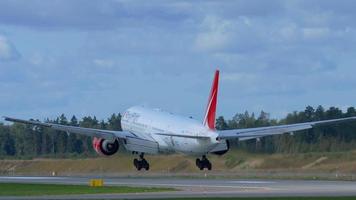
(105, 134)
(252, 133)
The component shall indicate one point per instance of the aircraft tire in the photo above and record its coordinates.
(197, 162)
(145, 164)
(208, 166)
(135, 162)
(147, 167)
(139, 166)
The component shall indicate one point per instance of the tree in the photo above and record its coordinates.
(221, 123)
(115, 122)
(74, 145)
(7, 142)
(319, 113)
(9, 145)
(309, 113)
(62, 138)
(263, 119)
(333, 113)
(351, 111)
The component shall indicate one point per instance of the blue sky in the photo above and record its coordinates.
(100, 57)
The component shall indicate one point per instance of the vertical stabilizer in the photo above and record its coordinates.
(209, 118)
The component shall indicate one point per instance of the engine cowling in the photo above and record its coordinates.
(105, 147)
(222, 152)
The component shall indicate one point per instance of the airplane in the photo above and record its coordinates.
(154, 131)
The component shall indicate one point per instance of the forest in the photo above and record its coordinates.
(26, 141)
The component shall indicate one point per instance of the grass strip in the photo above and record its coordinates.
(269, 198)
(24, 189)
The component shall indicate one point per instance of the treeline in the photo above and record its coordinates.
(332, 137)
(26, 141)
(19, 140)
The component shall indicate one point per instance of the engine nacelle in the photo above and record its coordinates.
(226, 149)
(105, 147)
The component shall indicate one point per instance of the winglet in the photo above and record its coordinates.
(209, 118)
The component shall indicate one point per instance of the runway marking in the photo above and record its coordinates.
(30, 178)
(191, 185)
(253, 182)
(112, 182)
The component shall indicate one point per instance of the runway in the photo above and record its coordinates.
(192, 187)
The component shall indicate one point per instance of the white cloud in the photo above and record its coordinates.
(239, 77)
(315, 33)
(275, 56)
(7, 50)
(215, 34)
(289, 32)
(104, 62)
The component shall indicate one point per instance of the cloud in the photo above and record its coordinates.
(92, 15)
(316, 33)
(8, 51)
(215, 34)
(41, 60)
(104, 62)
(270, 53)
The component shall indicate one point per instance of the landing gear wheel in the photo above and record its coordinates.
(135, 162)
(208, 166)
(141, 164)
(147, 167)
(145, 164)
(203, 163)
(199, 164)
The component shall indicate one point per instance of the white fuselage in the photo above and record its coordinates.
(189, 136)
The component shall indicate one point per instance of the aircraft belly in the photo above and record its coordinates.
(140, 145)
(191, 145)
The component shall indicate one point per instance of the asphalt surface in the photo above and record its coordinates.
(190, 187)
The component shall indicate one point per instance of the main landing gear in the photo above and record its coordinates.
(141, 163)
(203, 163)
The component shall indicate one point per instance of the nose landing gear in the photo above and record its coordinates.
(203, 163)
(141, 163)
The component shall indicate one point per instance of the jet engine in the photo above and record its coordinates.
(105, 147)
(226, 147)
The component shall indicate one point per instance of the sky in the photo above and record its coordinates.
(81, 57)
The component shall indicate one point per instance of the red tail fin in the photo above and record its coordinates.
(209, 118)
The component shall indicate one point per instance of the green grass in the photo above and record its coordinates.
(22, 189)
(270, 198)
